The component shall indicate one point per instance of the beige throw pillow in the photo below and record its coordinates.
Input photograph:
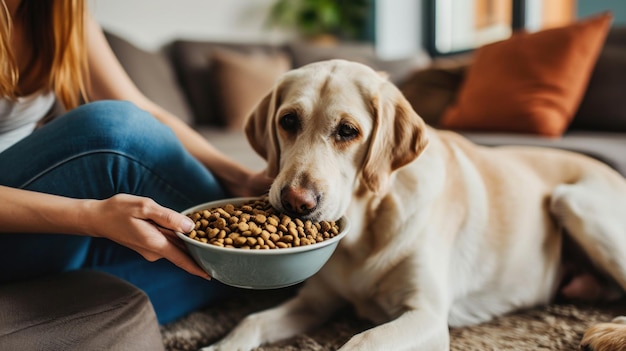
(243, 79)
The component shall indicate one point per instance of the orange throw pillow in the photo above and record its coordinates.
(531, 82)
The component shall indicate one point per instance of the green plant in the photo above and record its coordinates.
(342, 18)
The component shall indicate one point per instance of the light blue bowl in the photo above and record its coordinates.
(261, 269)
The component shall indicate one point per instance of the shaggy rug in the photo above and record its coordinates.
(553, 327)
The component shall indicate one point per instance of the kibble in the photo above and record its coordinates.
(257, 225)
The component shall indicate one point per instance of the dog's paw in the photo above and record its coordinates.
(242, 338)
(229, 346)
(220, 347)
(605, 337)
(215, 347)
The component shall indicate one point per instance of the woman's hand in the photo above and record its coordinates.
(143, 225)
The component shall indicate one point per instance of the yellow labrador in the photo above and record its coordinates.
(444, 232)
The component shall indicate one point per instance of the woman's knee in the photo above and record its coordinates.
(119, 117)
(118, 125)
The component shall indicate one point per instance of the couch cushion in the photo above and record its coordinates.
(531, 82)
(244, 79)
(604, 105)
(431, 90)
(153, 75)
(604, 146)
(77, 310)
(194, 65)
(304, 53)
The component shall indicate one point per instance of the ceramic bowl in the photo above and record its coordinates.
(260, 269)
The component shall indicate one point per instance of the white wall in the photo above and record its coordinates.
(151, 23)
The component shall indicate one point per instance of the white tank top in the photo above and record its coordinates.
(19, 118)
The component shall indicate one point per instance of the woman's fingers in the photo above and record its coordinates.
(181, 259)
(169, 219)
(175, 251)
(171, 236)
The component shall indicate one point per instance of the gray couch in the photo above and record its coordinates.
(181, 77)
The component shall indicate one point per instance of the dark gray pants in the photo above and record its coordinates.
(80, 310)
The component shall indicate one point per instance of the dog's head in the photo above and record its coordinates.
(328, 129)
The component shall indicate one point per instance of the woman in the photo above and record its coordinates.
(99, 186)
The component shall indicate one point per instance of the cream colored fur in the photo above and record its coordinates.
(444, 232)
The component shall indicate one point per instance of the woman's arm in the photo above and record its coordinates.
(34, 212)
(110, 81)
(135, 222)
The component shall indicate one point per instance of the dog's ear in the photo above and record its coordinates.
(261, 132)
(398, 137)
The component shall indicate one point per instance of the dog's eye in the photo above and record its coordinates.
(289, 122)
(347, 132)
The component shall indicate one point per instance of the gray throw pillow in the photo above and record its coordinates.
(603, 107)
(153, 75)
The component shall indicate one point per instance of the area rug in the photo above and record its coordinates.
(554, 327)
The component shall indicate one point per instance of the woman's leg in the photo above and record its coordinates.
(95, 151)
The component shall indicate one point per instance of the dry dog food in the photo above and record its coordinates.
(257, 225)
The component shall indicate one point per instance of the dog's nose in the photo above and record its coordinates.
(299, 201)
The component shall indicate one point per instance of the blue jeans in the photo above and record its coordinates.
(96, 151)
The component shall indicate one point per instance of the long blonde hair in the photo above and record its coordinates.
(55, 29)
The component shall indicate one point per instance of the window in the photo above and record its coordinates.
(456, 26)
